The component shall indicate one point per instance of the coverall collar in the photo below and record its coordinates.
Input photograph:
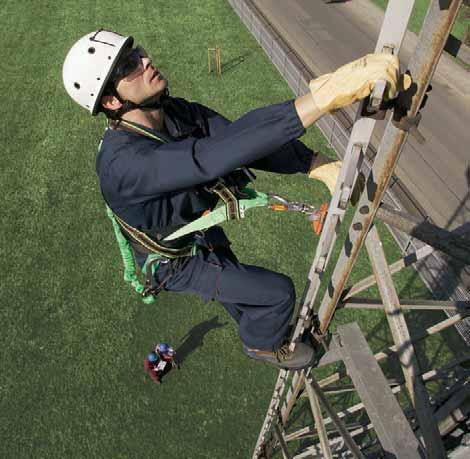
(176, 123)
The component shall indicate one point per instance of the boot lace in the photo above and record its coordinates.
(283, 353)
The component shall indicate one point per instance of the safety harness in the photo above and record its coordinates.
(236, 203)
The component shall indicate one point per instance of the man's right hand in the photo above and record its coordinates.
(355, 81)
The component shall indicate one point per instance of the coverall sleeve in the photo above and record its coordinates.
(291, 158)
(190, 162)
(215, 121)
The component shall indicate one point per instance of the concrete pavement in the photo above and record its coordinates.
(327, 35)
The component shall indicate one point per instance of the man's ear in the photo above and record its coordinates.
(111, 102)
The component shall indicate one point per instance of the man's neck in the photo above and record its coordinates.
(153, 119)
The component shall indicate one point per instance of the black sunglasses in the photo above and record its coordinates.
(128, 63)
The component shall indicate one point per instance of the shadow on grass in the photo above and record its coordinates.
(446, 282)
(235, 62)
(195, 337)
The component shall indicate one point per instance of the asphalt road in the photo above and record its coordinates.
(327, 34)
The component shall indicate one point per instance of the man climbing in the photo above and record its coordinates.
(163, 162)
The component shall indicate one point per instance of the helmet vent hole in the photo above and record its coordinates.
(91, 95)
(98, 78)
(109, 57)
(77, 86)
(91, 50)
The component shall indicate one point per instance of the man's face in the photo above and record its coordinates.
(142, 80)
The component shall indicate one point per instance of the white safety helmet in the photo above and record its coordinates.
(89, 64)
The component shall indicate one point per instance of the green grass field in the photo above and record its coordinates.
(73, 335)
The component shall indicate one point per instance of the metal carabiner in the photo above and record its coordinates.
(282, 204)
(316, 216)
(276, 197)
(293, 206)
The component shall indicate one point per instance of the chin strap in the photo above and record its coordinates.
(149, 103)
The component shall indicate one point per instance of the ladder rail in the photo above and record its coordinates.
(394, 26)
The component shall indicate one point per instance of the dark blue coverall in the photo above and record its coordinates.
(157, 187)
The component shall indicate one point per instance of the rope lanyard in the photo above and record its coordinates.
(130, 273)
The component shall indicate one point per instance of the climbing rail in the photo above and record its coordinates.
(421, 438)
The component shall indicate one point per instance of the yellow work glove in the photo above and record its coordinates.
(356, 80)
(326, 170)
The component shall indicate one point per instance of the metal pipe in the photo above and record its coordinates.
(351, 444)
(409, 362)
(439, 238)
(335, 377)
(408, 260)
(319, 423)
(420, 305)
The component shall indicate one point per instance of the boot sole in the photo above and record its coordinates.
(300, 367)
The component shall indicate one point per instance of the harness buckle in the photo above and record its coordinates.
(228, 197)
(149, 290)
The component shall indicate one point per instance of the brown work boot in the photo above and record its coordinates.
(301, 357)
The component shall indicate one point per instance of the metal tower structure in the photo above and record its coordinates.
(415, 431)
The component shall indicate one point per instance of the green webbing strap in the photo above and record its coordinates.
(130, 273)
(150, 244)
(220, 215)
(229, 198)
